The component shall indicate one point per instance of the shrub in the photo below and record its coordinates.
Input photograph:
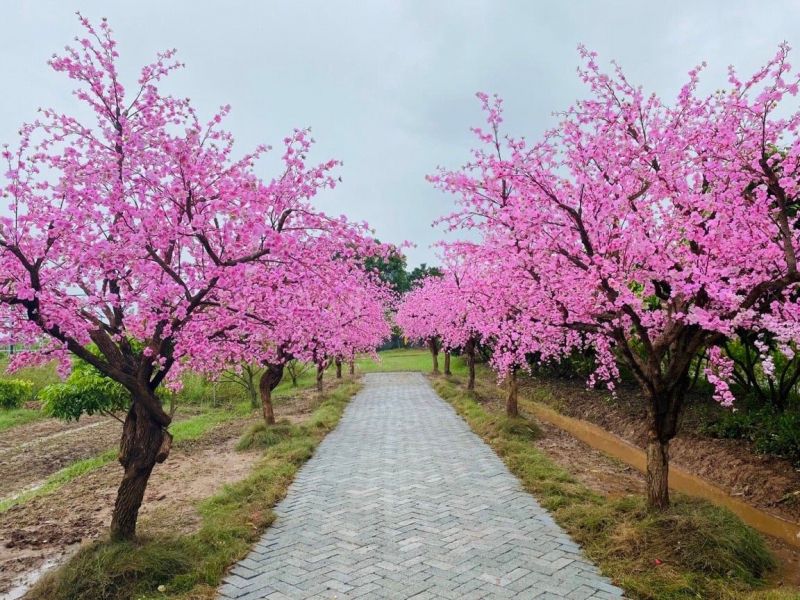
(15, 392)
(86, 391)
(772, 432)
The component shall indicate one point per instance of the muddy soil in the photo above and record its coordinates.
(42, 532)
(29, 453)
(767, 482)
(49, 528)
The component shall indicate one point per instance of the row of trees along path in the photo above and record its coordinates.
(646, 231)
(136, 241)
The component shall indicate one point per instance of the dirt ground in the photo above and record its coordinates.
(767, 482)
(41, 532)
(29, 453)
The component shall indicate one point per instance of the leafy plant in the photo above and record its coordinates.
(86, 391)
(770, 431)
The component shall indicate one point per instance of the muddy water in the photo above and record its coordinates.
(679, 479)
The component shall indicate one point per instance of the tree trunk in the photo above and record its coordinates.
(433, 346)
(447, 363)
(352, 367)
(664, 410)
(512, 409)
(338, 367)
(657, 477)
(144, 443)
(470, 352)
(270, 379)
(320, 374)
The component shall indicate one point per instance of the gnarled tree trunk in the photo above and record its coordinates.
(433, 346)
(338, 362)
(447, 363)
(270, 379)
(512, 408)
(469, 350)
(145, 442)
(352, 367)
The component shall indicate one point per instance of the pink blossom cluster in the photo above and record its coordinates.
(647, 230)
(142, 223)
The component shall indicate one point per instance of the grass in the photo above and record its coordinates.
(692, 550)
(414, 359)
(40, 376)
(259, 435)
(19, 416)
(182, 431)
(191, 566)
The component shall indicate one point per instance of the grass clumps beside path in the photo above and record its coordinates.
(192, 565)
(692, 550)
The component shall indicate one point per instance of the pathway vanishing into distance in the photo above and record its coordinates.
(402, 500)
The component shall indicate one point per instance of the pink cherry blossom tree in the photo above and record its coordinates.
(419, 316)
(118, 230)
(324, 310)
(647, 230)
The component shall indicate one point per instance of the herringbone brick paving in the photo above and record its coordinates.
(402, 500)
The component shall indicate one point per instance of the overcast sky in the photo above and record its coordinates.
(388, 87)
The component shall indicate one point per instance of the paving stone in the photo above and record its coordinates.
(403, 501)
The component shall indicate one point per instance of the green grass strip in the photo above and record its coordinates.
(19, 416)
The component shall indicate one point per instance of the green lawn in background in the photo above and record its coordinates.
(406, 359)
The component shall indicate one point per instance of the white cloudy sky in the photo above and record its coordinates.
(388, 87)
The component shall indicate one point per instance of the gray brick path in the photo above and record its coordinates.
(402, 500)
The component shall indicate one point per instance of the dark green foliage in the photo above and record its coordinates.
(419, 273)
(778, 389)
(770, 431)
(15, 392)
(391, 270)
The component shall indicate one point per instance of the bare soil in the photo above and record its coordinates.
(42, 532)
(29, 453)
(50, 527)
(767, 482)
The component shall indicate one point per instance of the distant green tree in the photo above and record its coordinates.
(421, 272)
(391, 270)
